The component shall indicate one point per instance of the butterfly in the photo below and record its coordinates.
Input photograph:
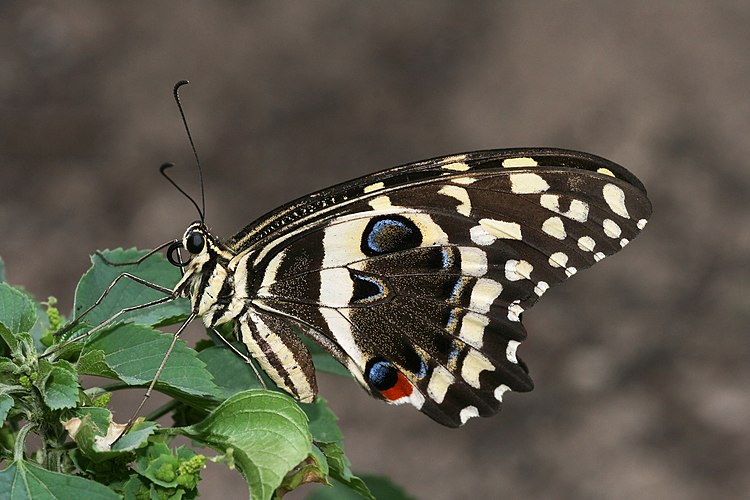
(415, 278)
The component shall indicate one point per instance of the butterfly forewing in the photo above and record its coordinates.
(416, 278)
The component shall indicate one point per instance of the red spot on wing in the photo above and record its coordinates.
(401, 389)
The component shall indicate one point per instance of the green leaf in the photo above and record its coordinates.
(323, 422)
(6, 403)
(136, 436)
(313, 470)
(17, 316)
(128, 293)
(134, 353)
(23, 480)
(231, 374)
(58, 384)
(265, 431)
(328, 437)
(94, 362)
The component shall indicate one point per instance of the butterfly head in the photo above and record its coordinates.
(202, 246)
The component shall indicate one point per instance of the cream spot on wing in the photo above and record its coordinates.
(579, 210)
(440, 381)
(624, 242)
(558, 259)
(642, 223)
(586, 243)
(527, 183)
(501, 229)
(432, 233)
(599, 256)
(611, 228)
(464, 180)
(373, 187)
(516, 270)
(605, 171)
(520, 162)
(473, 261)
(416, 400)
(615, 198)
(460, 194)
(474, 364)
(480, 236)
(514, 311)
(483, 294)
(541, 287)
(500, 391)
(458, 166)
(467, 413)
(554, 227)
(380, 203)
(550, 202)
(570, 271)
(510, 351)
(472, 329)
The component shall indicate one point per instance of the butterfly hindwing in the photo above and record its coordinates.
(416, 278)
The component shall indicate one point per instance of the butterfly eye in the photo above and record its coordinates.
(195, 242)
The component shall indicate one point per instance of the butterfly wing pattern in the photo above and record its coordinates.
(416, 278)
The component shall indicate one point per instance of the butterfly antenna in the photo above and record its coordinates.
(202, 209)
(162, 171)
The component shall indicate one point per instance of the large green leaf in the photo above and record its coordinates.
(134, 352)
(265, 431)
(24, 480)
(127, 293)
(231, 374)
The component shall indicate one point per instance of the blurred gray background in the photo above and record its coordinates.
(641, 364)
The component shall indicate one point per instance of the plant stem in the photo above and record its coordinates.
(20, 445)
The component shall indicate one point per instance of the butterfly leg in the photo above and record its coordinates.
(248, 360)
(150, 389)
(154, 286)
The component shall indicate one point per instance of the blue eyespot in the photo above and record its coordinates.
(381, 374)
(389, 233)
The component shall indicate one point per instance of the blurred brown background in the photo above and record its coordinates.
(641, 364)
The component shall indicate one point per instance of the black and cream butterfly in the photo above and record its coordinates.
(415, 278)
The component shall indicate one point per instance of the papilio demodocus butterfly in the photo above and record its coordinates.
(414, 278)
